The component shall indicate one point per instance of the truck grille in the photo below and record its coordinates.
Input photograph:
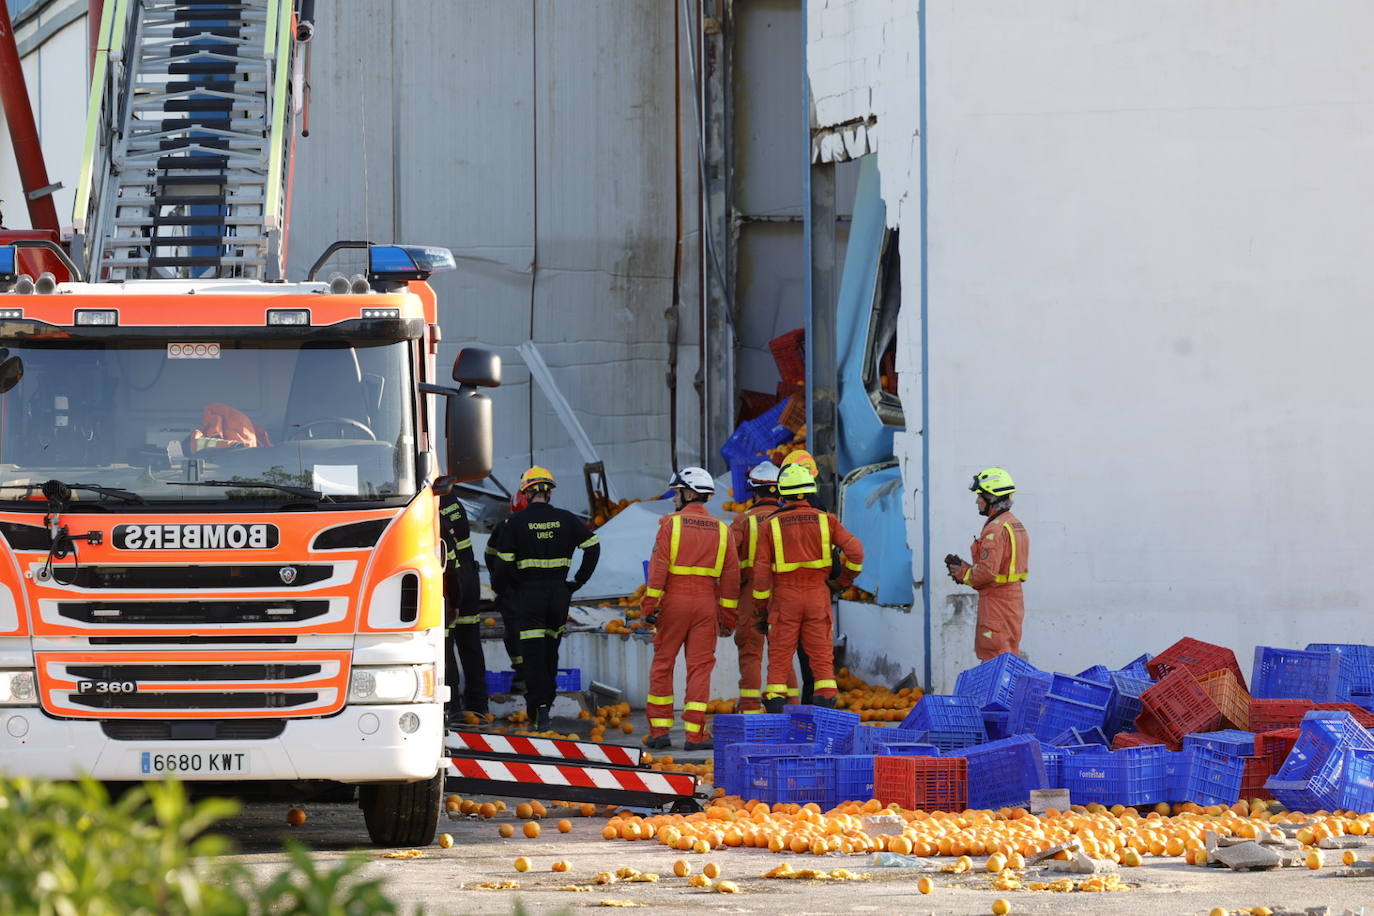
(216, 578)
(172, 613)
(207, 730)
(188, 684)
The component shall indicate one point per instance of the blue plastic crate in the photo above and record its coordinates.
(853, 779)
(793, 780)
(750, 442)
(1296, 675)
(1084, 737)
(1210, 777)
(1002, 773)
(1098, 674)
(1090, 693)
(906, 750)
(831, 730)
(752, 728)
(568, 680)
(1054, 766)
(500, 681)
(1359, 672)
(1136, 668)
(735, 763)
(1130, 776)
(995, 724)
(1060, 714)
(995, 682)
(1126, 701)
(945, 713)
(1029, 704)
(1357, 780)
(1230, 741)
(1311, 776)
(868, 737)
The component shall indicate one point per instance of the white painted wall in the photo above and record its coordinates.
(1148, 291)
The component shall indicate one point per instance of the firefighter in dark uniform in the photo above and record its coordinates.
(533, 557)
(510, 626)
(462, 620)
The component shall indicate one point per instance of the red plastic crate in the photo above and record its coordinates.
(754, 404)
(1268, 715)
(789, 352)
(1133, 739)
(921, 783)
(1274, 746)
(1362, 715)
(1231, 698)
(1196, 656)
(1252, 780)
(1175, 707)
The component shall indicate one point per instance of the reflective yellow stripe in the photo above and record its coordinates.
(589, 542)
(660, 701)
(712, 572)
(556, 563)
(475, 618)
(508, 557)
(1012, 574)
(653, 592)
(518, 660)
(822, 685)
(967, 573)
(857, 567)
(794, 691)
(533, 634)
(691, 727)
(464, 544)
(762, 596)
(748, 693)
(780, 563)
(491, 550)
(775, 690)
(748, 560)
(694, 707)
(748, 711)
(729, 602)
(661, 723)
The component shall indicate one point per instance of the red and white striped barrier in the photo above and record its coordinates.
(561, 749)
(673, 785)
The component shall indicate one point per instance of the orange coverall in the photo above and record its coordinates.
(791, 568)
(694, 572)
(749, 639)
(1000, 558)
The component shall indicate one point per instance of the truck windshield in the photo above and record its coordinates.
(337, 417)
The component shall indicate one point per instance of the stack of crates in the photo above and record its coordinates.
(1311, 776)
(750, 444)
(950, 722)
(830, 730)
(747, 732)
(867, 738)
(995, 685)
(1073, 702)
(1001, 774)
(1198, 657)
(1175, 707)
(1131, 776)
(735, 763)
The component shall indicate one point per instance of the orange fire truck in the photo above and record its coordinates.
(219, 549)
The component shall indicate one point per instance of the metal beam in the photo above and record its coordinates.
(822, 375)
(28, 154)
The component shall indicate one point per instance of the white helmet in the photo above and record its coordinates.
(698, 480)
(764, 474)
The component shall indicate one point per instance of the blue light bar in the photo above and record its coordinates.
(7, 261)
(407, 262)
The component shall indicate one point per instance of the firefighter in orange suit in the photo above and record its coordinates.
(749, 636)
(790, 579)
(692, 596)
(1000, 561)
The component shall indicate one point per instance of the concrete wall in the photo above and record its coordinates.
(1147, 287)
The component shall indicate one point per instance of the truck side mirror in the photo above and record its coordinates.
(11, 370)
(477, 368)
(468, 436)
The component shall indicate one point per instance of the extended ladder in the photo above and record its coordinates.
(189, 137)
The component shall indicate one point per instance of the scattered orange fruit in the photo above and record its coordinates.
(445, 841)
(925, 885)
(1313, 859)
(1000, 907)
(531, 829)
(561, 865)
(524, 811)
(522, 864)
(564, 826)
(711, 870)
(453, 804)
(295, 817)
(506, 830)
(682, 868)
(487, 810)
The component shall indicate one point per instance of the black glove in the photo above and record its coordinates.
(573, 586)
(952, 560)
(651, 619)
(761, 623)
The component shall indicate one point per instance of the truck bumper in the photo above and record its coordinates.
(359, 744)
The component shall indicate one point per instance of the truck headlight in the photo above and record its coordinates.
(392, 684)
(17, 688)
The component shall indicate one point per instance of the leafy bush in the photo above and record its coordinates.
(69, 850)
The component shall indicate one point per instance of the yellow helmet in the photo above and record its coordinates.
(796, 480)
(536, 477)
(993, 482)
(802, 457)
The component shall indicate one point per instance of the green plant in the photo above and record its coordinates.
(69, 850)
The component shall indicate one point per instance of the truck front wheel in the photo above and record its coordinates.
(402, 813)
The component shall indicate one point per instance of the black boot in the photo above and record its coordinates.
(774, 704)
(543, 719)
(827, 702)
(658, 743)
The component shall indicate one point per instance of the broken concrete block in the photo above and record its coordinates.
(1291, 830)
(884, 825)
(1342, 842)
(1081, 864)
(1248, 856)
(1052, 852)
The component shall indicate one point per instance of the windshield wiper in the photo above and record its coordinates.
(112, 492)
(304, 492)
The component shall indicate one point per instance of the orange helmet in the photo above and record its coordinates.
(803, 457)
(536, 477)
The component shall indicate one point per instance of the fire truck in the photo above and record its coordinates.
(219, 546)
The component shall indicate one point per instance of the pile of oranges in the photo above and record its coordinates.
(665, 763)
(615, 717)
(603, 509)
(1006, 836)
(874, 704)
